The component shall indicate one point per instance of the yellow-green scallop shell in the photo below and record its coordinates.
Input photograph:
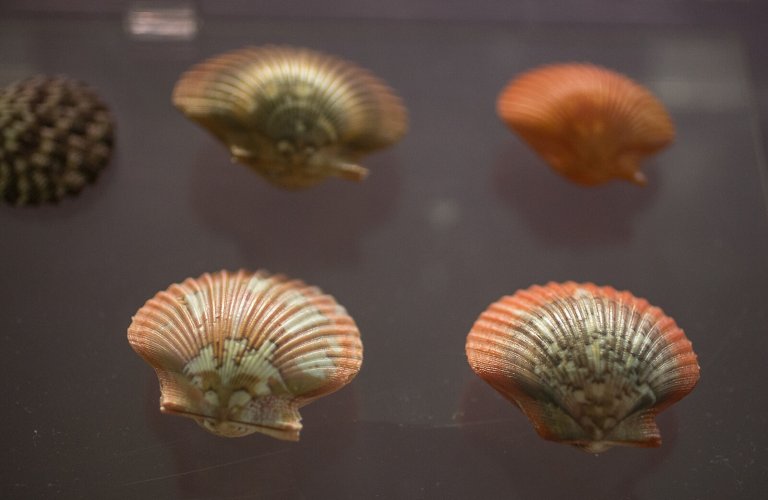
(294, 115)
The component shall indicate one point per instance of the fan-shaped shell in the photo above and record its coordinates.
(242, 352)
(589, 123)
(56, 136)
(295, 115)
(590, 366)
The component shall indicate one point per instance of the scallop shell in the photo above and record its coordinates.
(294, 115)
(56, 136)
(589, 123)
(590, 366)
(242, 352)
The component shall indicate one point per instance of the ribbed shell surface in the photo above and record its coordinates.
(589, 123)
(589, 365)
(241, 352)
(295, 115)
(56, 135)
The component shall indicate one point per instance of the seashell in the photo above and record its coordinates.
(294, 115)
(242, 352)
(590, 366)
(589, 123)
(56, 136)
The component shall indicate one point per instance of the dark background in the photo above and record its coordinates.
(457, 214)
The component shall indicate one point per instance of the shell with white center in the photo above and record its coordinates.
(242, 352)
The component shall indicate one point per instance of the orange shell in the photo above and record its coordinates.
(590, 366)
(589, 123)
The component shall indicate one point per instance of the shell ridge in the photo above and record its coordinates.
(322, 365)
(164, 313)
(658, 346)
(209, 91)
(484, 335)
(531, 335)
(305, 322)
(667, 371)
(160, 349)
(322, 333)
(263, 293)
(176, 344)
(207, 299)
(292, 300)
(165, 309)
(328, 333)
(234, 317)
(190, 295)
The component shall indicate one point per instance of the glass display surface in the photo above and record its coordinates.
(458, 213)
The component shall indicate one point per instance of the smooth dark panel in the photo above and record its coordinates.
(456, 215)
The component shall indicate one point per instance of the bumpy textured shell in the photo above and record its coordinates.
(590, 124)
(242, 352)
(590, 366)
(56, 136)
(294, 115)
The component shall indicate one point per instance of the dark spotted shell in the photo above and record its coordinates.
(56, 137)
(590, 366)
(294, 115)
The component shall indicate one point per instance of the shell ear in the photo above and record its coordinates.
(638, 178)
(241, 154)
(179, 396)
(348, 171)
(639, 430)
(551, 422)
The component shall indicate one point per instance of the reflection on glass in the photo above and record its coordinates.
(162, 20)
(444, 214)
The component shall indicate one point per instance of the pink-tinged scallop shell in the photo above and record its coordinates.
(590, 366)
(589, 123)
(242, 352)
(294, 115)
